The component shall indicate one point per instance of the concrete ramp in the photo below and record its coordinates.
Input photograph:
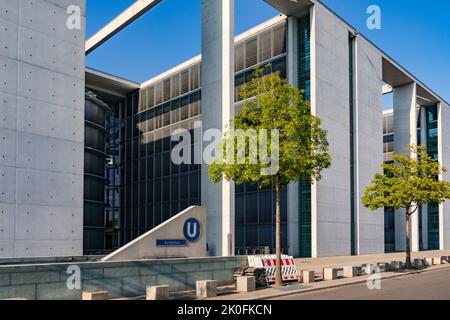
(182, 236)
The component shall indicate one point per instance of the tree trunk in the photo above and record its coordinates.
(408, 240)
(278, 276)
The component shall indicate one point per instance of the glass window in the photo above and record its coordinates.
(167, 92)
(142, 99)
(175, 111)
(184, 108)
(251, 52)
(158, 93)
(175, 86)
(184, 84)
(265, 46)
(279, 40)
(194, 105)
(166, 115)
(240, 59)
(150, 97)
(194, 77)
(240, 79)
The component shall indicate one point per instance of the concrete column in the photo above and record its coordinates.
(292, 192)
(405, 128)
(218, 109)
(441, 155)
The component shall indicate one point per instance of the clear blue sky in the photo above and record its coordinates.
(414, 32)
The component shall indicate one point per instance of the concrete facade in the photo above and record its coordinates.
(41, 129)
(218, 108)
(330, 87)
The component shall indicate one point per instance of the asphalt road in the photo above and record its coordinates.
(432, 285)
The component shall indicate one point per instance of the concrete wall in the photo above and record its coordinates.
(120, 279)
(368, 142)
(217, 110)
(444, 158)
(330, 102)
(405, 127)
(145, 246)
(41, 129)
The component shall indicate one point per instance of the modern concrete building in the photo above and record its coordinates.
(41, 129)
(344, 77)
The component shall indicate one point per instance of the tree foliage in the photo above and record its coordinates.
(271, 103)
(407, 182)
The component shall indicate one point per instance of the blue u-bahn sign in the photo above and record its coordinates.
(192, 231)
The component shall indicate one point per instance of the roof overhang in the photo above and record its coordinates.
(295, 8)
(110, 87)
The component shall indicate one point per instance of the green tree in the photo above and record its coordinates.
(300, 145)
(408, 183)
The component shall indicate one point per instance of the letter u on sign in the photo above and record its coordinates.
(192, 229)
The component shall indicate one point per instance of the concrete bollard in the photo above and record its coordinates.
(308, 276)
(351, 271)
(437, 261)
(395, 266)
(330, 274)
(206, 289)
(384, 267)
(158, 293)
(444, 259)
(428, 261)
(371, 269)
(99, 295)
(419, 263)
(246, 284)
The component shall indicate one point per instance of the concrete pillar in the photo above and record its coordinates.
(100, 295)
(206, 289)
(292, 190)
(158, 293)
(405, 128)
(218, 109)
(351, 271)
(330, 274)
(246, 284)
(308, 276)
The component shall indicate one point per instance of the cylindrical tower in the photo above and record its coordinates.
(94, 174)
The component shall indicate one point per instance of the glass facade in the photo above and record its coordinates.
(432, 149)
(304, 192)
(94, 177)
(153, 188)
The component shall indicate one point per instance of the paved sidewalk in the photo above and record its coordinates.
(317, 264)
(292, 289)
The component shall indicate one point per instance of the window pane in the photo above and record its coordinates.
(158, 93)
(184, 108)
(184, 81)
(240, 65)
(265, 46)
(175, 86)
(150, 97)
(279, 40)
(167, 90)
(251, 54)
(194, 77)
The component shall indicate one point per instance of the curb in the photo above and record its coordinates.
(293, 292)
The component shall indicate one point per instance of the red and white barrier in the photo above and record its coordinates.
(289, 271)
